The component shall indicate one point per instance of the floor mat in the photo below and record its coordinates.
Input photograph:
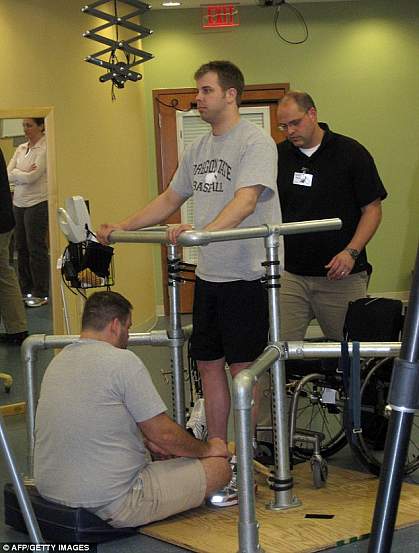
(349, 496)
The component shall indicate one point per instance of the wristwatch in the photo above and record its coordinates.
(353, 253)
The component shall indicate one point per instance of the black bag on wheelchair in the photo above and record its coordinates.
(374, 320)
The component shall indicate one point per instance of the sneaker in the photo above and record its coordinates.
(228, 496)
(14, 339)
(36, 302)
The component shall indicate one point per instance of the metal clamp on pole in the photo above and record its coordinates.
(404, 389)
(280, 485)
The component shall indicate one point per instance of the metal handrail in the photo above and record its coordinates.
(202, 237)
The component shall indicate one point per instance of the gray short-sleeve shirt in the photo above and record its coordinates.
(212, 169)
(88, 447)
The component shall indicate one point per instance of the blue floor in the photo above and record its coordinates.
(405, 540)
(39, 322)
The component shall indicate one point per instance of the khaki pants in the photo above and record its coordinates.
(304, 298)
(12, 311)
(162, 489)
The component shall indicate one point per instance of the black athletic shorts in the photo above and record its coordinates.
(230, 319)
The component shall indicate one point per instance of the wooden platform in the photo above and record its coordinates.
(13, 409)
(349, 496)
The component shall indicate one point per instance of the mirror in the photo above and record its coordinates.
(41, 319)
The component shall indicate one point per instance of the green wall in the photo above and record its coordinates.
(360, 63)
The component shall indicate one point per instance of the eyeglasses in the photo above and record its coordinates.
(283, 127)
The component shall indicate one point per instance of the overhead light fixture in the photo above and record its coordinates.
(171, 4)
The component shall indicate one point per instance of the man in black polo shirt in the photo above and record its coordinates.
(322, 174)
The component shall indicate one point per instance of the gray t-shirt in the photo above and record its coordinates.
(213, 168)
(88, 448)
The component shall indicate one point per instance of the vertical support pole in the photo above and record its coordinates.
(404, 394)
(29, 354)
(21, 493)
(248, 526)
(175, 332)
(243, 385)
(282, 481)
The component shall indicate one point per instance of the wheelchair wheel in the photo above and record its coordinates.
(368, 446)
(321, 410)
(264, 453)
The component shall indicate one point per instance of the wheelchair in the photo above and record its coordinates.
(319, 403)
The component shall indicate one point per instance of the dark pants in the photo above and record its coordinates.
(32, 249)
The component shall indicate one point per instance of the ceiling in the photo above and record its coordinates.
(157, 4)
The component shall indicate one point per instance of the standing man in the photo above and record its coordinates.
(12, 312)
(97, 415)
(322, 174)
(231, 172)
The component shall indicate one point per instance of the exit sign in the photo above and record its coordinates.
(220, 16)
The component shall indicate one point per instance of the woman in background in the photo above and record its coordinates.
(27, 171)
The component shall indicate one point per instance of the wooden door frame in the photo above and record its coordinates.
(165, 103)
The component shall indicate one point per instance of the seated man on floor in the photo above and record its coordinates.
(98, 417)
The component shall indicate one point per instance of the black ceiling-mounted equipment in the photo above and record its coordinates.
(118, 71)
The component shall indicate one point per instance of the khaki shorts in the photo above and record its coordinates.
(162, 489)
(303, 298)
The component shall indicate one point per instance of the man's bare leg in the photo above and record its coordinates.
(217, 409)
(216, 395)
